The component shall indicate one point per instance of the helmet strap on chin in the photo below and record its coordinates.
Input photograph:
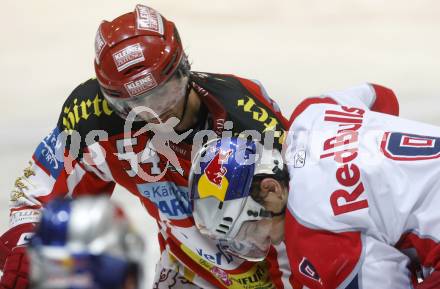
(266, 214)
(280, 213)
(185, 103)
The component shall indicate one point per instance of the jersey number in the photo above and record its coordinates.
(410, 147)
(146, 156)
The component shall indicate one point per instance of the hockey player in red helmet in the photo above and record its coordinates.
(140, 63)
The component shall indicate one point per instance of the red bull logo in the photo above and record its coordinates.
(213, 183)
(215, 170)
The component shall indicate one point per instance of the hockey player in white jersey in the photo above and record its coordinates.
(356, 196)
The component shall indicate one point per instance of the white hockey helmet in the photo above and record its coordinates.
(86, 243)
(223, 208)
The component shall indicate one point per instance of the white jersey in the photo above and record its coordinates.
(364, 196)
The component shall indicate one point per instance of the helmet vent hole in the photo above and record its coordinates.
(112, 93)
(224, 226)
(133, 70)
(176, 34)
(228, 219)
(170, 65)
(220, 231)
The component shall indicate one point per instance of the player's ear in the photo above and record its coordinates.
(273, 194)
(267, 185)
(271, 186)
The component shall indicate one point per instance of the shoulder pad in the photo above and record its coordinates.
(246, 109)
(86, 109)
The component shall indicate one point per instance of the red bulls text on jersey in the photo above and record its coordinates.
(372, 208)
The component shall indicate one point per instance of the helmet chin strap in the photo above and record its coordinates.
(185, 104)
(280, 213)
(267, 214)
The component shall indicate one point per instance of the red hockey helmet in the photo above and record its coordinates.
(140, 62)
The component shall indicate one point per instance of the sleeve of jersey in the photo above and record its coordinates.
(53, 172)
(344, 260)
(321, 259)
(366, 96)
(428, 251)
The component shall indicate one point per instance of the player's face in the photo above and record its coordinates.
(260, 232)
(160, 103)
(174, 110)
(167, 101)
(273, 196)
